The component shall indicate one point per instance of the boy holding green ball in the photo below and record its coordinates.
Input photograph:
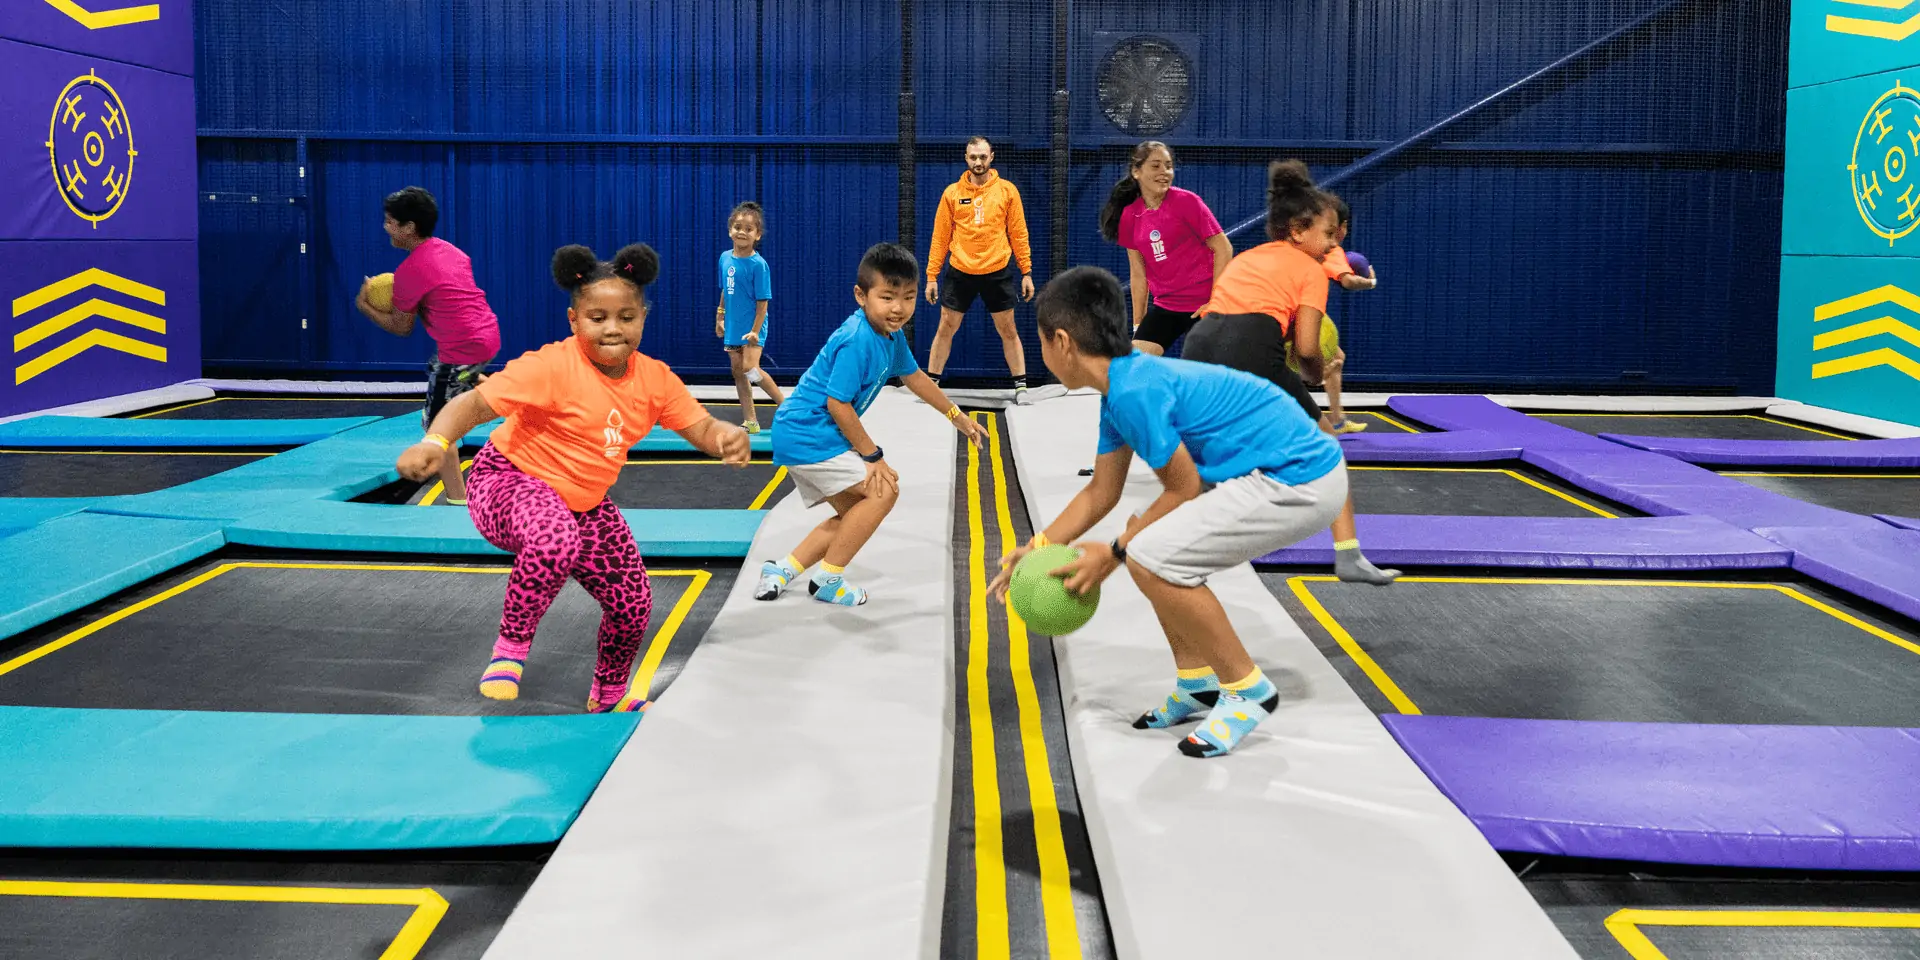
(1244, 472)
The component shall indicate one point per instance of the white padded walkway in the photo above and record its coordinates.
(788, 796)
(1363, 857)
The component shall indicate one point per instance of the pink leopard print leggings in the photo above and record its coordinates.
(524, 516)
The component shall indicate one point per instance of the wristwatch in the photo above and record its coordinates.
(875, 456)
(1119, 552)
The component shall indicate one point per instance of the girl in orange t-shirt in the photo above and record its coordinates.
(538, 489)
(1272, 298)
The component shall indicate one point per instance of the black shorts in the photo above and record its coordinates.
(1163, 326)
(446, 381)
(1000, 290)
(1250, 342)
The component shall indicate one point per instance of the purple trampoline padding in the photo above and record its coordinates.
(1453, 446)
(1806, 798)
(1904, 523)
(1507, 425)
(1875, 562)
(1633, 543)
(1663, 486)
(1780, 453)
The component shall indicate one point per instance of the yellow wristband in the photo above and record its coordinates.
(953, 413)
(438, 441)
(1039, 540)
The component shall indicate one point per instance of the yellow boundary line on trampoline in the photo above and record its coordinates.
(1404, 704)
(1377, 415)
(1549, 414)
(428, 905)
(1523, 478)
(1625, 924)
(992, 937)
(642, 676)
(1826, 476)
(416, 401)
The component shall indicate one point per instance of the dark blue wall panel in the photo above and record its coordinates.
(1612, 227)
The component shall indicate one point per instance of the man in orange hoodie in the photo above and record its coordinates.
(979, 235)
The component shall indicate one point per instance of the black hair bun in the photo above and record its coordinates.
(572, 265)
(636, 262)
(1285, 176)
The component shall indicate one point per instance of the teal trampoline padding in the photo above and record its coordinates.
(23, 512)
(262, 781)
(383, 528)
(340, 467)
(660, 440)
(92, 432)
(59, 566)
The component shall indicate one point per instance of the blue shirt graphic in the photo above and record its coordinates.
(743, 282)
(1232, 423)
(852, 368)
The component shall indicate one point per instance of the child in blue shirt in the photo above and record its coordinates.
(1244, 472)
(746, 287)
(818, 436)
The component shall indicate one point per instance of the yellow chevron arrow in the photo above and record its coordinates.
(1870, 328)
(87, 278)
(92, 338)
(1859, 301)
(1874, 28)
(1883, 357)
(92, 308)
(106, 18)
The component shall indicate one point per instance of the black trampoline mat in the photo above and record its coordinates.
(1656, 651)
(1896, 494)
(1696, 426)
(1476, 491)
(1779, 919)
(110, 473)
(329, 637)
(189, 908)
(1380, 421)
(284, 408)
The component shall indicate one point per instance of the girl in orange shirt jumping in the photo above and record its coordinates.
(538, 489)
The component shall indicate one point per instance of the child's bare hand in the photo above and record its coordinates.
(1087, 571)
(998, 588)
(972, 430)
(720, 327)
(735, 448)
(881, 480)
(420, 461)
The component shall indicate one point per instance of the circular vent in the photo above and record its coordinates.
(1145, 85)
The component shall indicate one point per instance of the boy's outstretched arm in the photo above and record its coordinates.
(1179, 482)
(924, 388)
(1088, 507)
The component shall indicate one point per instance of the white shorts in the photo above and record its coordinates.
(818, 482)
(1236, 521)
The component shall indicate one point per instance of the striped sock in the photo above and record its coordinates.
(502, 679)
(1242, 705)
(1193, 691)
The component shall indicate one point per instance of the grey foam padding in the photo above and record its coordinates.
(1364, 858)
(788, 797)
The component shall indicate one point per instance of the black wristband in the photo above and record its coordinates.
(1119, 552)
(875, 456)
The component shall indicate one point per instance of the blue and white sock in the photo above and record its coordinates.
(1242, 705)
(1194, 691)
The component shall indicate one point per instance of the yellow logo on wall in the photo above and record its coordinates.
(1884, 151)
(73, 316)
(102, 19)
(1863, 328)
(1866, 18)
(91, 147)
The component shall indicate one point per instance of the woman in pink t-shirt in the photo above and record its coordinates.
(1175, 247)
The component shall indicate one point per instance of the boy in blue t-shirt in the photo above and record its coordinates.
(818, 437)
(1243, 471)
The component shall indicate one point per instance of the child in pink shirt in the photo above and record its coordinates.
(1175, 247)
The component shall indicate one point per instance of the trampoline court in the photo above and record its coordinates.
(1695, 426)
(286, 633)
(1714, 649)
(112, 472)
(277, 406)
(1501, 489)
(102, 905)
